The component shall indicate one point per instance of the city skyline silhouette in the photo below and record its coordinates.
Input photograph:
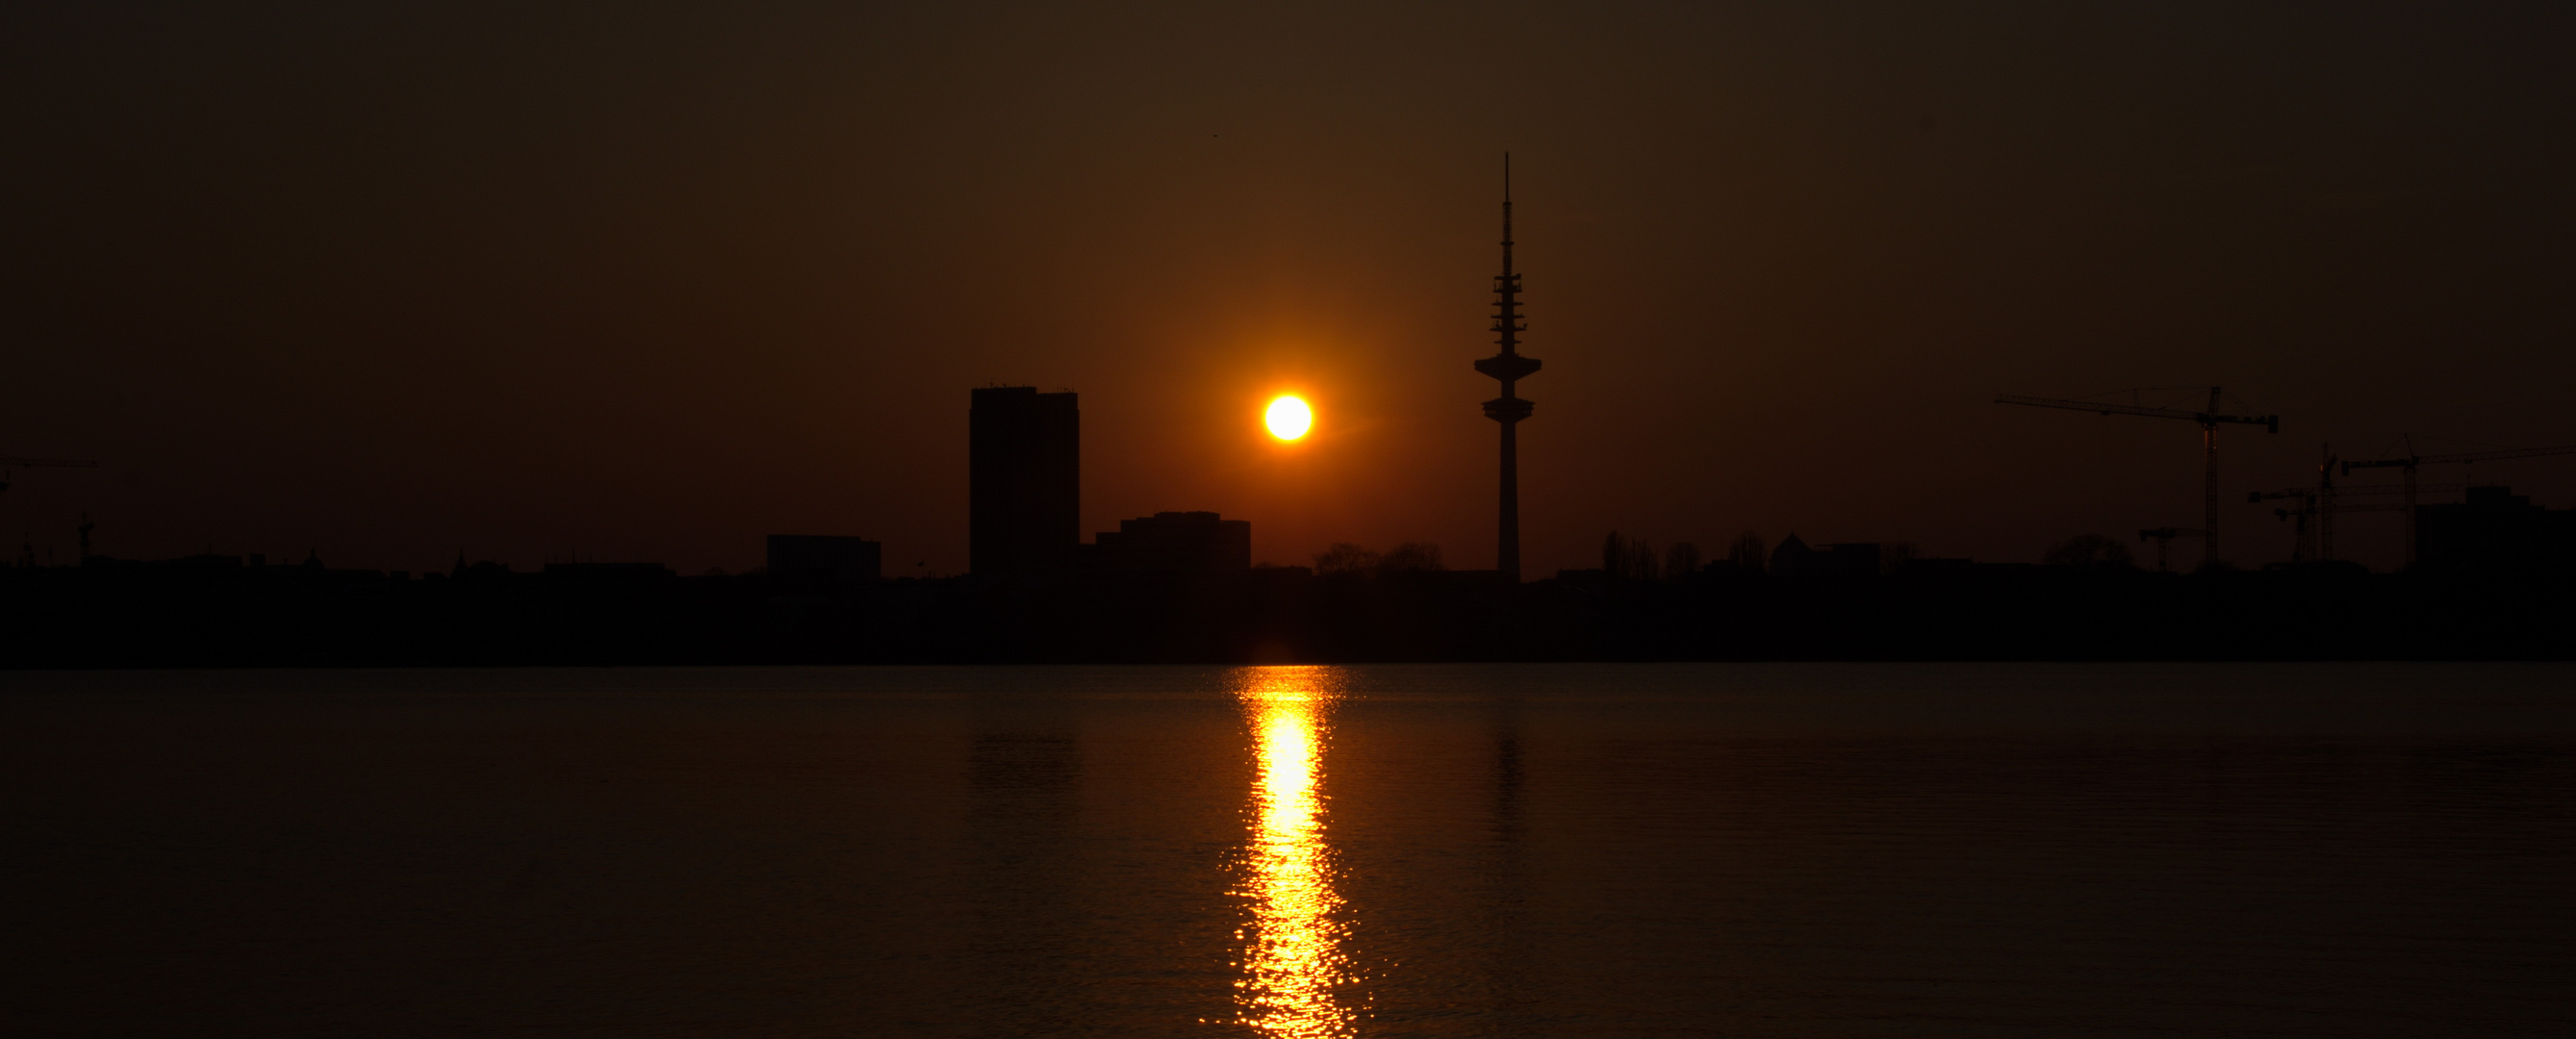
(1030, 519)
(521, 291)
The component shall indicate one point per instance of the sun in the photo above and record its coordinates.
(1289, 418)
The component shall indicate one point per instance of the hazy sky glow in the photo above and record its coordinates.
(652, 280)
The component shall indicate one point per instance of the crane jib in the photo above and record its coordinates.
(2203, 418)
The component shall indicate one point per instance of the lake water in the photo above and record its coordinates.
(1617, 850)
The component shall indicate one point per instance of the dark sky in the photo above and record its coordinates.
(648, 281)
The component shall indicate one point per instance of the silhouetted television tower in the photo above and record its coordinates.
(1510, 367)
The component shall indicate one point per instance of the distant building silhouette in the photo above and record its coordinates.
(2495, 530)
(1792, 558)
(825, 556)
(2089, 552)
(597, 572)
(1176, 588)
(1947, 567)
(487, 570)
(1853, 559)
(1176, 547)
(1023, 480)
(1795, 558)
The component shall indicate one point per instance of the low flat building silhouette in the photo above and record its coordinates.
(1175, 547)
(825, 556)
(608, 572)
(2495, 530)
(1852, 559)
(1794, 558)
(1023, 480)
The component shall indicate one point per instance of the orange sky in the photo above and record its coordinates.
(650, 282)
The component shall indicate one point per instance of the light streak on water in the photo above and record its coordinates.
(1294, 961)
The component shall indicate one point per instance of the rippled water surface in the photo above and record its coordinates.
(1797, 850)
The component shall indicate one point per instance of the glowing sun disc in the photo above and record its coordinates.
(1289, 418)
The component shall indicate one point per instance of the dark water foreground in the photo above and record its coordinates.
(1577, 850)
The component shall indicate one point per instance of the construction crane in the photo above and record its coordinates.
(2164, 536)
(2301, 547)
(40, 463)
(27, 555)
(2209, 422)
(2319, 502)
(2325, 500)
(2411, 462)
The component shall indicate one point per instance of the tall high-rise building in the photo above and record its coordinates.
(1023, 480)
(1508, 366)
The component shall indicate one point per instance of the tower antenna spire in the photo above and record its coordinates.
(1508, 367)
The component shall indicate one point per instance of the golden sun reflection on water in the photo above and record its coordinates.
(1293, 960)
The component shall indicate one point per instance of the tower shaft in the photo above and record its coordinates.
(1508, 367)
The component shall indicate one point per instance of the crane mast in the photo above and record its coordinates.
(2209, 422)
(2411, 462)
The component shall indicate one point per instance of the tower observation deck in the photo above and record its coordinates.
(1509, 367)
